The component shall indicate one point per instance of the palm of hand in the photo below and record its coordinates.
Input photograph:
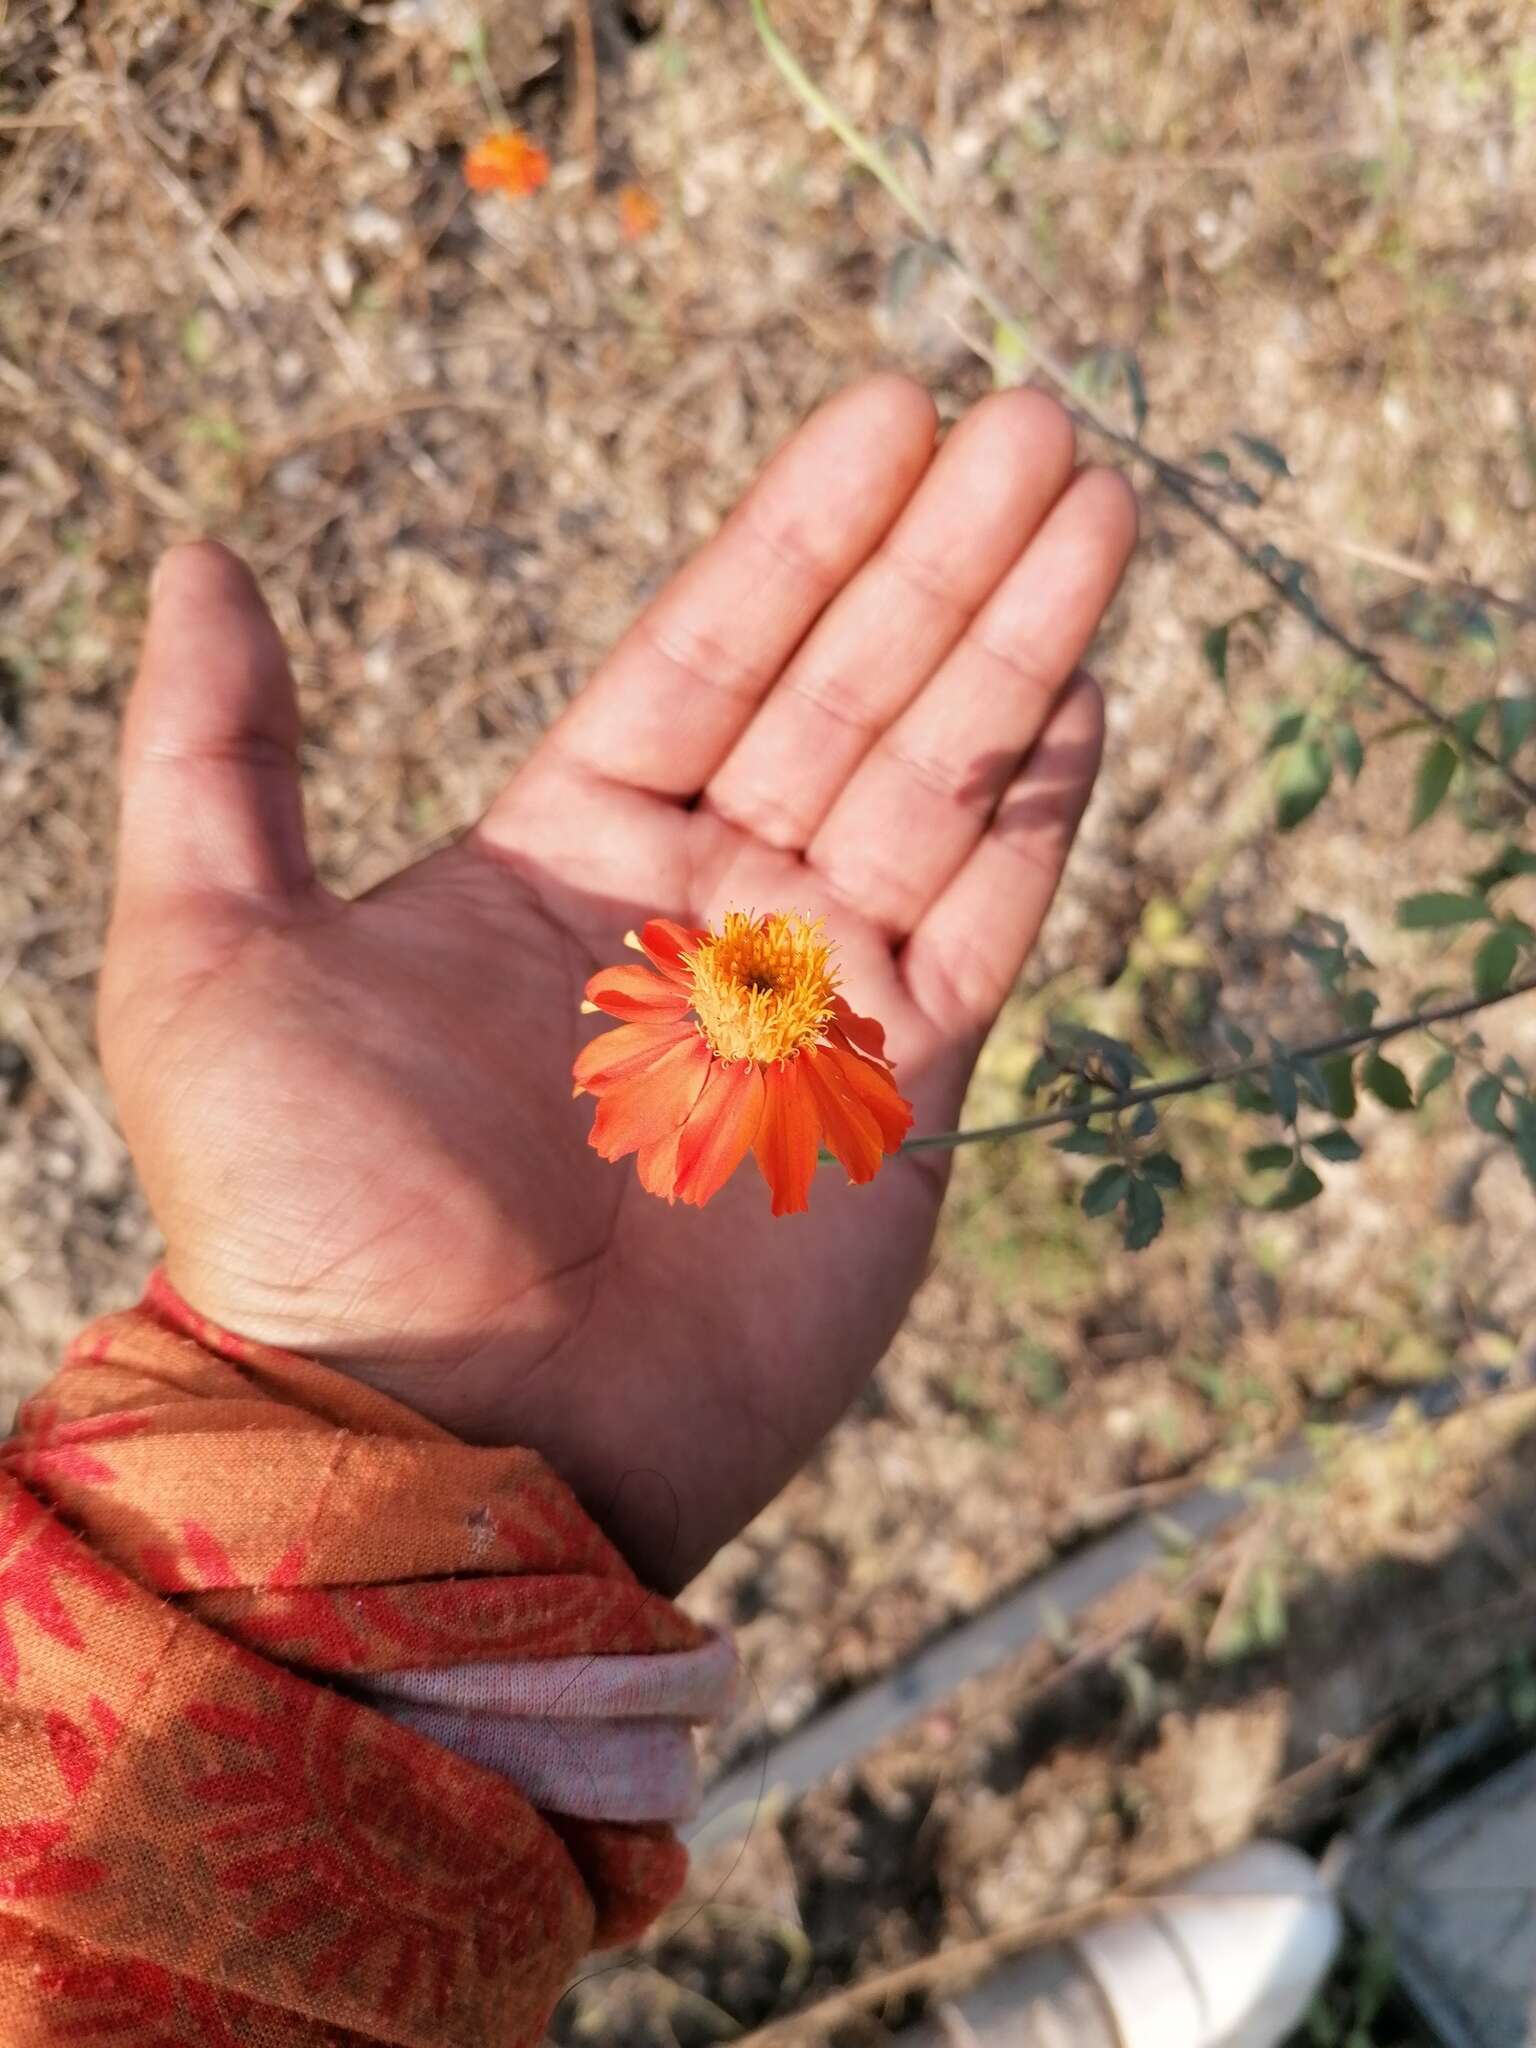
(354, 1121)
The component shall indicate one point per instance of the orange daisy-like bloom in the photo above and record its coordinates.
(506, 161)
(639, 215)
(733, 1041)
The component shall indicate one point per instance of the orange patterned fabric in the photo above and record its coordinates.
(204, 1841)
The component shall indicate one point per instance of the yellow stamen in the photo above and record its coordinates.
(762, 986)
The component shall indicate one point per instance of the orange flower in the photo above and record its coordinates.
(639, 215)
(737, 1040)
(506, 161)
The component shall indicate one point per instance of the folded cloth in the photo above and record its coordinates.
(605, 1738)
(205, 1840)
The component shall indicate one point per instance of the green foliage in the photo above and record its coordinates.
(1301, 1186)
(1265, 453)
(1495, 962)
(1386, 1081)
(1348, 749)
(1107, 1190)
(1466, 747)
(1337, 1145)
(1517, 721)
(910, 266)
(1303, 771)
(1437, 765)
(1437, 908)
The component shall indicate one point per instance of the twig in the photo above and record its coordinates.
(1338, 636)
(103, 446)
(106, 1149)
(479, 64)
(949, 1969)
(584, 111)
(1404, 565)
(1211, 1077)
(1190, 488)
(335, 424)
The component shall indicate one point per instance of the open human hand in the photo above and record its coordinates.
(353, 1119)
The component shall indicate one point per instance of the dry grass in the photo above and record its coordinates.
(244, 291)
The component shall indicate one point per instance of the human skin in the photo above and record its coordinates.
(353, 1118)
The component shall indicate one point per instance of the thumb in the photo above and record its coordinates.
(210, 777)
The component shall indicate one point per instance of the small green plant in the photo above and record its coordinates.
(1471, 761)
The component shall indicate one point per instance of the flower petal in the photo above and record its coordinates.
(656, 1166)
(644, 1107)
(637, 994)
(863, 1032)
(875, 1088)
(719, 1130)
(788, 1137)
(615, 1054)
(664, 943)
(848, 1127)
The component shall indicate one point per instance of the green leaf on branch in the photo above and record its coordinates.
(1106, 1191)
(1525, 1136)
(1483, 1100)
(1479, 630)
(1302, 772)
(1213, 646)
(1339, 1073)
(1439, 907)
(1045, 1070)
(1282, 1090)
(1083, 1050)
(1517, 721)
(1311, 1079)
(1213, 458)
(1495, 962)
(1163, 1170)
(1360, 1006)
(1268, 1158)
(1136, 385)
(1339, 1146)
(1388, 1083)
(904, 136)
(1289, 726)
(1144, 1122)
(1512, 861)
(1085, 1139)
(1143, 1215)
(911, 264)
(1436, 1074)
(1469, 722)
(1348, 749)
(1265, 453)
(1302, 1186)
(1436, 767)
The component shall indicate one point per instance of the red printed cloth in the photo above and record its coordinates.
(205, 1841)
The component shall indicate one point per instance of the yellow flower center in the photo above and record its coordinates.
(762, 986)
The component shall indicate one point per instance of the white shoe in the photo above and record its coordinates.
(1232, 1959)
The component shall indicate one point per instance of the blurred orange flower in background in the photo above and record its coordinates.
(639, 215)
(506, 161)
(737, 1041)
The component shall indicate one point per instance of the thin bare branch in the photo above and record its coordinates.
(1189, 486)
(1212, 1077)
